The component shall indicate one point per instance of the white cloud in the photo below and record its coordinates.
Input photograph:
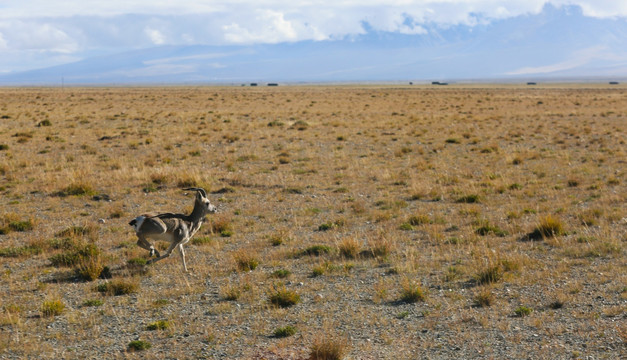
(69, 8)
(267, 26)
(80, 26)
(598, 8)
(155, 36)
(33, 35)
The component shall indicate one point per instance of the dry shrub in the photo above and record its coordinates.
(245, 260)
(381, 247)
(187, 180)
(549, 226)
(489, 275)
(282, 297)
(90, 268)
(231, 292)
(75, 232)
(349, 248)
(52, 308)
(220, 224)
(411, 292)
(328, 348)
(484, 297)
(118, 287)
(77, 188)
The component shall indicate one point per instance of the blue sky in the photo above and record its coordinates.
(42, 33)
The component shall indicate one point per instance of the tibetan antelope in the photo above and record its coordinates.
(177, 229)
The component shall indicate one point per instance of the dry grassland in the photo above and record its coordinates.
(358, 222)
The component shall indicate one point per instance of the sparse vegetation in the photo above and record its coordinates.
(350, 248)
(469, 199)
(78, 188)
(523, 311)
(328, 348)
(384, 191)
(158, 325)
(245, 260)
(201, 240)
(489, 275)
(282, 297)
(93, 303)
(118, 287)
(484, 297)
(284, 331)
(138, 261)
(281, 273)
(138, 345)
(21, 251)
(317, 250)
(13, 222)
(487, 229)
(412, 292)
(52, 308)
(549, 226)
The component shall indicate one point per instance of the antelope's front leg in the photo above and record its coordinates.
(182, 252)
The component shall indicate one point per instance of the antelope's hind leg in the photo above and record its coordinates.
(143, 243)
(168, 252)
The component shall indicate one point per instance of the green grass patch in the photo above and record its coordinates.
(469, 199)
(281, 273)
(523, 311)
(316, 250)
(93, 303)
(406, 227)
(285, 331)
(21, 251)
(138, 345)
(201, 240)
(158, 325)
(77, 189)
(490, 229)
(138, 261)
(331, 225)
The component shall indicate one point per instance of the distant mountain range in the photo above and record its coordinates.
(557, 43)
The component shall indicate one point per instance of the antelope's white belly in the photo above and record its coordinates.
(169, 237)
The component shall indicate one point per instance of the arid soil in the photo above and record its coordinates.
(371, 222)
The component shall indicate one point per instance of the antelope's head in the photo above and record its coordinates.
(203, 201)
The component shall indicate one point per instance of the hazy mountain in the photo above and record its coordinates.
(556, 43)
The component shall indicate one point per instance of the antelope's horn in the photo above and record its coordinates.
(200, 190)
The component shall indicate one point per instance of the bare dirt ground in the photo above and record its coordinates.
(355, 222)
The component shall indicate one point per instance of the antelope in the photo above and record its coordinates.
(177, 229)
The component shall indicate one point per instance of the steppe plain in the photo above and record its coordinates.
(402, 222)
